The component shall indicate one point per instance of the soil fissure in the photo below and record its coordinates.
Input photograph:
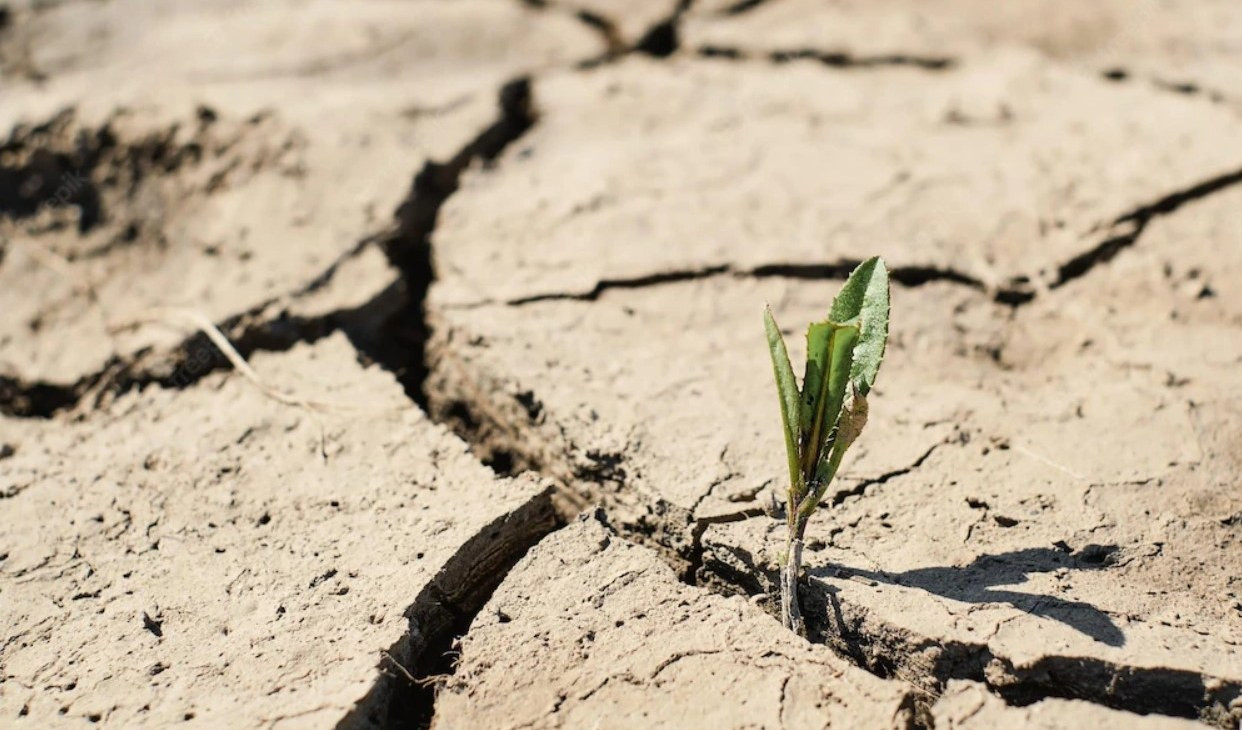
(888, 650)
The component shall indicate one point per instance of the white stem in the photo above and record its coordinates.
(791, 615)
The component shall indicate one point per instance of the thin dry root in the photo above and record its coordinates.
(202, 323)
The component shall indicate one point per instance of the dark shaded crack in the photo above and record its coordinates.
(509, 429)
(613, 43)
(605, 27)
(401, 339)
(196, 357)
(1083, 263)
(1183, 88)
(694, 562)
(1016, 292)
(861, 487)
(37, 399)
(186, 364)
(389, 330)
(410, 670)
(742, 7)
(1143, 215)
(661, 40)
(664, 38)
(504, 425)
(52, 164)
(1132, 225)
(888, 650)
(56, 179)
(636, 282)
(832, 59)
(910, 276)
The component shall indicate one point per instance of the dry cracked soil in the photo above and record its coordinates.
(398, 363)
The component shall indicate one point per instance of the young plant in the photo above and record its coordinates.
(825, 416)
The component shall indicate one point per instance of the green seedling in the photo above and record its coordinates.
(823, 418)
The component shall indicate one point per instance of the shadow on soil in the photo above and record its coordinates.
(976, 583)
(890, 650)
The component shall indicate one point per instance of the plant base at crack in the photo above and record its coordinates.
(791, 614)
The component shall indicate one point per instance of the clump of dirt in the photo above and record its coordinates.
(111, 217)
(116, 180)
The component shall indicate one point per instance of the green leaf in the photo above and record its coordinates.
(787, 390)
(850, 423)
(818, 337)
(865, 297)
(823, 389)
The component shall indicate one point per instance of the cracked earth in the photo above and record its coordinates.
(399, 364)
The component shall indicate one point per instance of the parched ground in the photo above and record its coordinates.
(399, 364)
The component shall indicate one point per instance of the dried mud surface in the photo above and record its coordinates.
(589, 624)
(506, 451)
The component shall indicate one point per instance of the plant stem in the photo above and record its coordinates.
(791, 568)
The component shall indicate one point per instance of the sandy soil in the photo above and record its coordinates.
(506, 448)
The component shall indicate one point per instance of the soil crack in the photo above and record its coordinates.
(661, 40)
(390, 329)
(742, 7)
(194, 358)
(832, 59)
(1016, 292)
(1183, 87)
(861, 487)
(889, 650)
(637, 282)
(412, 668)
(909, 276)
(406, 330)
(1132, 225)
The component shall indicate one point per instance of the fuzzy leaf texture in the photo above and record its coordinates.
(865, 298)
(849, 425)
(787, 390)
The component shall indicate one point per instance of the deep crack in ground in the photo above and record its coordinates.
(394, 328)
